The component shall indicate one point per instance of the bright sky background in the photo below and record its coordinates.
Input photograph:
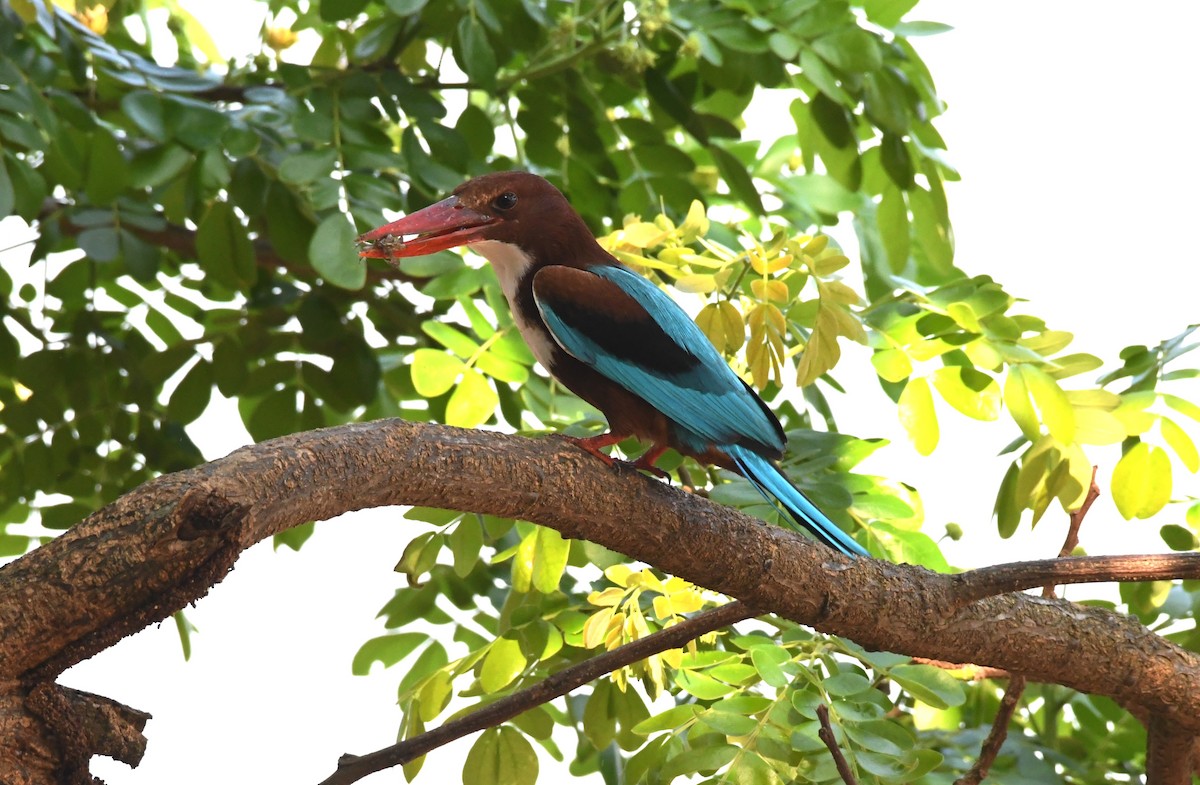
(1073, 125)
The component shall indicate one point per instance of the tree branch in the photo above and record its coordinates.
(352, 768)
(163, 539)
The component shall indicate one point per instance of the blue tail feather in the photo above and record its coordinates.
(767, 478)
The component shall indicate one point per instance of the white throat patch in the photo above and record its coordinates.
(511, 264)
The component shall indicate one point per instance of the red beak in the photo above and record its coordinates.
(446, 224)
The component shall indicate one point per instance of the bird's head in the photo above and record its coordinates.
(516, 208)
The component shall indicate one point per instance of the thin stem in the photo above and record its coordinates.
(352, 768)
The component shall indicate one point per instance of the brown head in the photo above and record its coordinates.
(516, 208)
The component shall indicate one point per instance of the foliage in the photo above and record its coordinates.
(192, 232)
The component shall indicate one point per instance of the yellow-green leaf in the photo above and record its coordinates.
(1141, 481)
(828, 265)
(696, 283)
(1052, 402)
(503, 663)
(917, 415)
(722, 323)
(1016, 398)
(550, 559)
(643, 235)
(1182, 405)
(892, 365)
(1180, 442)
(501, 756)
(472, 402)
(971, 392)
(1096, 426)
(434, 372)
(695, 224)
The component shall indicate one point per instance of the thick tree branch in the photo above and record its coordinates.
(352, 768)
(173, 537)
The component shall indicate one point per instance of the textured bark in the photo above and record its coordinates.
(163, 545)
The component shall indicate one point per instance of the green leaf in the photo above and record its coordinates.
(478, 59)
(930, 685)
(503, 663)
(728, 723)
(185, 629)
(672, 718)
(224, 249)
(307, 166)
(333, 253)
(851, 49)
(501, 756)
(892, 219)
(294, 537)
(434, 371)
(466, 542)
(845, 685)
(1141, 481)
(190, 398)
(702, 686)
(768, 660)
(388, 649)
(1178, 538)
(703, 759)
(741, 184)
(107, 169)
(917, 415)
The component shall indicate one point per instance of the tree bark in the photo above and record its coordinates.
(160, 548)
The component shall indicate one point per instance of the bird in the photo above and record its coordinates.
(609, 335)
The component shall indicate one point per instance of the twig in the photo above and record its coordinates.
(997, 735)
(826, 735)
(1016, 683)
(1072, 540)
(352, 768)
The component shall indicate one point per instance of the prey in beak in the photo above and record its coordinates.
(446, 224)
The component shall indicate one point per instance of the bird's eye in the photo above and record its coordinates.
(505, 201)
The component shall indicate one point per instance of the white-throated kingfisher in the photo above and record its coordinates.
(608, 334)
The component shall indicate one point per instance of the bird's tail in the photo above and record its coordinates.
(770, 481)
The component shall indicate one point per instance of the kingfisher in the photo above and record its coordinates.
(609, 335)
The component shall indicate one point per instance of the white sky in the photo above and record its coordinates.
(1074, 126)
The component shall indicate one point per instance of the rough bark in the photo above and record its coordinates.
(162, 546)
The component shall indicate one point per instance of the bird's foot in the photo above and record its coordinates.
(646, 462)
(593, 445)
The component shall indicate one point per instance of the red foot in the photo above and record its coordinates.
(594, 444)
(646, 462)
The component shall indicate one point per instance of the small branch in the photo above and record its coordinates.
(826, 735)
(182, 241)
(352, 768)
(974, 585)
(1170, 753)
(1016, 684)
(995, 738)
